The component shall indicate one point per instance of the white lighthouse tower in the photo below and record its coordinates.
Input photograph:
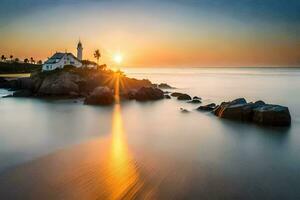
(79, 50)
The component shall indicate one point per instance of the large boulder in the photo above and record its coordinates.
(60, 84)
(274, 115)
(100, 96)
(258, 112)
(148, 93)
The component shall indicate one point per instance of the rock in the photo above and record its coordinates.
(258, 112)
(208, 107)
(60, 84)
(164, 86)
(222, 110)
(176, 94)
(194, 101)
(148, 93)
(199, 98)
(22, 93)
(167, 96)
(237, 109)
(184, 97)
(184, 110)
(100, 96)
(131, 94)
(274, 115)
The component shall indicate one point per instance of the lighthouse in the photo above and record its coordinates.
(79, 50)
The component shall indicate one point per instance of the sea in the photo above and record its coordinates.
(63, 149)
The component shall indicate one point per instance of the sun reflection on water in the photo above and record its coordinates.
(125, 178)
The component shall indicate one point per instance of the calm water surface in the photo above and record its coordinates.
(66, 150)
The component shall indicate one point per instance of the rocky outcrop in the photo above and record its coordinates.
(60, 84)
(100, 96)
(148, 93)
(258, 112)
(69, 83)
(208, 107)
(17, 84)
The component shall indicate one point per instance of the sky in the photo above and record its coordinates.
(175, 33)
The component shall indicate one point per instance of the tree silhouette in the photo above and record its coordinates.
(3, 58)
(97, 55)
(11, 57)
(40, 62)
(26, 60)
(17, 59)
(32, 60)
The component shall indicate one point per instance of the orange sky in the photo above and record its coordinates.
(177, 36)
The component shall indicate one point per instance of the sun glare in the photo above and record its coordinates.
(118, 58)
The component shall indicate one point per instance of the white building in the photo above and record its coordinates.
(59, 60)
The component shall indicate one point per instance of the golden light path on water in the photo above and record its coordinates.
(125, 182)
(120, 162)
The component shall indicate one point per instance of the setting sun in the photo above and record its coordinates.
(118, 58)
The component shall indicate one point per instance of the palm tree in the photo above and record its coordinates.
(40, 62)
(3, 58)
(97, 55)
(26, 60)
(32, 60)
(17, 59)
(11, 57)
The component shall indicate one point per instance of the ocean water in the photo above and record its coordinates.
(66, 150)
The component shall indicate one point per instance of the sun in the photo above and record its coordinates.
(118, 58)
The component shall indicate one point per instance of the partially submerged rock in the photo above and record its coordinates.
(176, 94)
(100, 96)
(165, 86)
(258, 112)
(198, 98)
(195, 101)
(208, 107)
(148, 93)
(184, 97)
(272, 115)
(167, 96)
